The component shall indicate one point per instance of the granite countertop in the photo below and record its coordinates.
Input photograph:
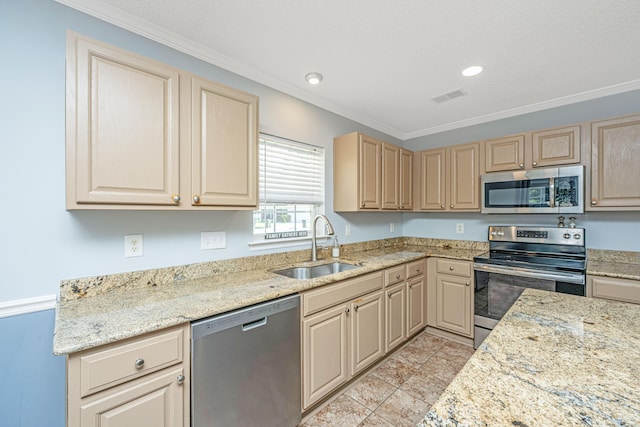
(553, 360)
(608, 263)
(92, 320)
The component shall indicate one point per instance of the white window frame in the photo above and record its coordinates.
(278, 193)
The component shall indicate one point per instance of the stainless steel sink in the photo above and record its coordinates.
(312, 272)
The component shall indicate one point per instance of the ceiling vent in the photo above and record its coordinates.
(449, 96)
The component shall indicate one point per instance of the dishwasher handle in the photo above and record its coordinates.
(255, 324)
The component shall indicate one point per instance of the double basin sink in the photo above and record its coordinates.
(312, 272)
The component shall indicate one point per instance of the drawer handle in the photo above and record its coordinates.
(139, 363)
(181, 379)
(451, 268)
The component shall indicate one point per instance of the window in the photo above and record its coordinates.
(291, 188)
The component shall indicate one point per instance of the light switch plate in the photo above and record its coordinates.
(213, 240)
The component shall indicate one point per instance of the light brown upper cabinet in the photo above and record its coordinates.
(615, 160)
(144, 135)
(406, 179)
(447, 179)
(368, 174)
(390, 176)
(550, 147)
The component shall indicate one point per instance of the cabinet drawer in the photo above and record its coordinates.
(330, 295)
(394, 275)
(457, 268)
(416, 268)
(616, 289)
(116, 363)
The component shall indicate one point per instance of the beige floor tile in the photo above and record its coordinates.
(370, 391)
(343, 412)
(402, 409)
(457, 349)
(414, 355)
(393, 371)
(426, 389)
(374, 420)
(442, 366)
(429, 341)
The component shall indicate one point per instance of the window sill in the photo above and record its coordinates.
(262, 245)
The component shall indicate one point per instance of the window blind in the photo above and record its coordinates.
(290, 172)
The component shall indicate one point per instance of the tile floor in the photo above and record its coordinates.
(400, 390)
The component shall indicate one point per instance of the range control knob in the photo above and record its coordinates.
(577, 236)
(566, 235)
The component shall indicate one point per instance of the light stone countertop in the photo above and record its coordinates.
(608, 263)
(553, 360)
(93, 318)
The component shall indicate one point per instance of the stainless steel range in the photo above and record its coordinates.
(521, 257)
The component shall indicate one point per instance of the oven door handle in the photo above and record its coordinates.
(536, 274)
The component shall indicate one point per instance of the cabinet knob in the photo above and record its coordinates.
(180, 379)
(355, 308)
(451, 206)
(467, 284)
(346, 310)
(417, 270)
(594, 202)
(175, 198)
(362, 204)
(521, 165)
(139, 363)
(441, 206)
(397, 277)
(451, 268)
(535, 163)
(196, 199)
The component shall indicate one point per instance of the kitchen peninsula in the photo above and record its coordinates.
(554, 359)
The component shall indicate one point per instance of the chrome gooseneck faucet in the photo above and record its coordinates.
(314, 245)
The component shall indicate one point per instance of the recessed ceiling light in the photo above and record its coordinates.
(472, 71)
(313, 78)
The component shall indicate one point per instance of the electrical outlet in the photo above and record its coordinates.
(460, 228)
(213, 240)
(347, 230)
(133, 245)
(392, 227)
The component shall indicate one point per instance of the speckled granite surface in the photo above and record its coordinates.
(620, 264)
(553, 360)
(98, 310)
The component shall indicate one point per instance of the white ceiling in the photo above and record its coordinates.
(384, 60)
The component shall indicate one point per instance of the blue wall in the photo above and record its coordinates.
(32, 379)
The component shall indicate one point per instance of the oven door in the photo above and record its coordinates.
(497, 287)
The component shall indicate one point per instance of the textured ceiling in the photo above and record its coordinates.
(384, 60)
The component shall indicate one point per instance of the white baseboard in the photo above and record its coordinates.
(27, 305)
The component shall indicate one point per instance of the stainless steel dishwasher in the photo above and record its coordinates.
(245, 368)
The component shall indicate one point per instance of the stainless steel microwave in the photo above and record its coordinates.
(549, 190)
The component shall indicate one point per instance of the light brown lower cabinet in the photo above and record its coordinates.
(342, 333)
(614, 288)
(138, 381)
(450, 296)
(350, 325)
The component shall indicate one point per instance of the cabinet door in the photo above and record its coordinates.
(369, 164)
(416, 305)
(224, 145)
(367, 331)
(503, 154)
(324, 353)
(122, 127)
(406, 179)
(615, 156)
(153, 400)
(464, 193)
(432, 179)
(614, 288)
(396, 318)
(390, 176)
(453, 304)
(555, 147)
